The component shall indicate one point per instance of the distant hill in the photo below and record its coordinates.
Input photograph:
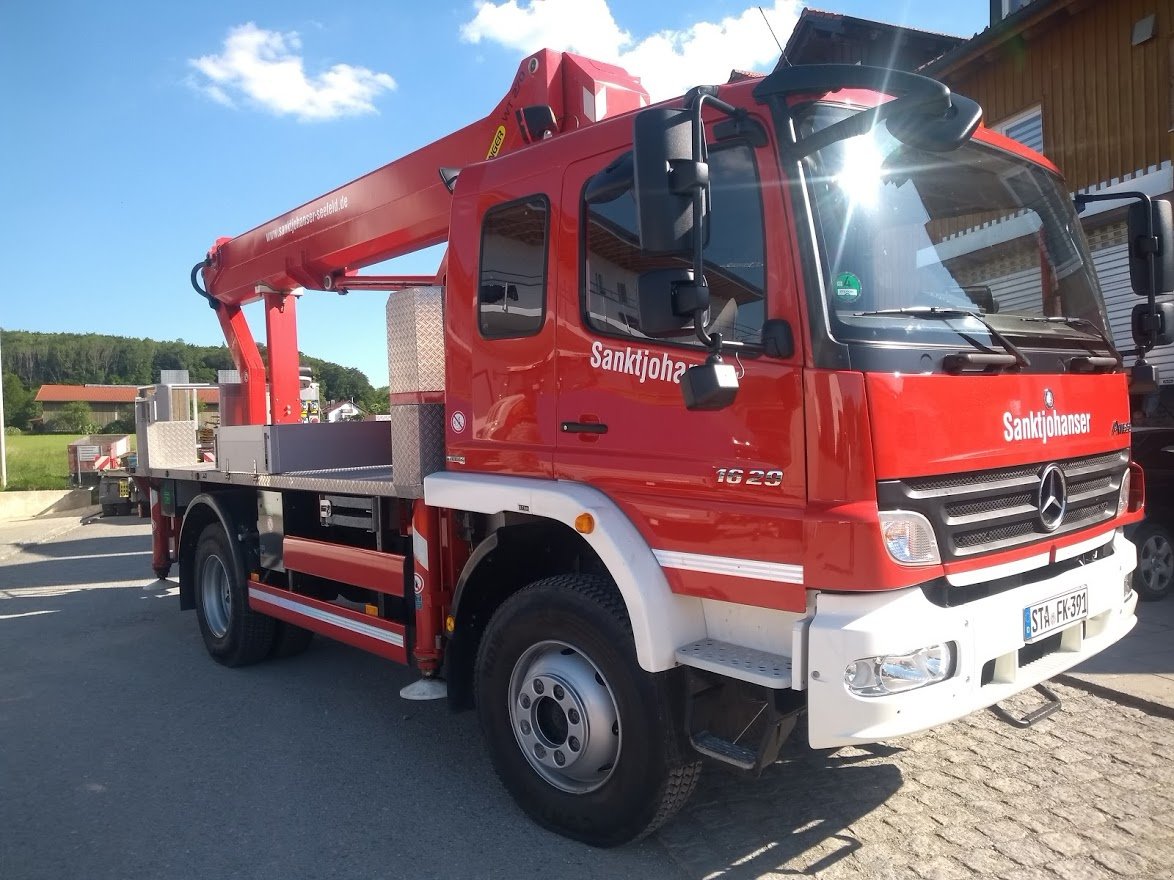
(90, 358)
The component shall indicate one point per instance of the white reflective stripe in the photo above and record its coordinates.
(731, 566)
(355, 626)
(420, 549)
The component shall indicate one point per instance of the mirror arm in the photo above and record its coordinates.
(1082, 199)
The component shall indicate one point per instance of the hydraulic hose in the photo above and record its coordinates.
(203, 264)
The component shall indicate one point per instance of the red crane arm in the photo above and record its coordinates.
(404, 206)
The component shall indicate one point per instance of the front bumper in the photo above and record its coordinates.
(848, 627)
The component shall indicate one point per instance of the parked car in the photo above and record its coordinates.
(1153, 449)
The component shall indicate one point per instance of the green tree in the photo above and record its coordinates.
(20, 406)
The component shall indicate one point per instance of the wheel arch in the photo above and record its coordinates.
(661, 620)
(232, 511)
(503, 563)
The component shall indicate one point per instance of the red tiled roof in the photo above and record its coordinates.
(87, 393)
(106, 394)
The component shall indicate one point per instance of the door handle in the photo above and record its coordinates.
(584, 428)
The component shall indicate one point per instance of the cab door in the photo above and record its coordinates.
(718, 495)
(499, 323)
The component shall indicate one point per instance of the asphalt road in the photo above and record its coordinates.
(125, 752)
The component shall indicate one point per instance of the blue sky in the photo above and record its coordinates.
(135, 134)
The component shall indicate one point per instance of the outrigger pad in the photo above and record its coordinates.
(425, 689)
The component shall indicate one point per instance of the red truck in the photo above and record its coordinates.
(788, 402)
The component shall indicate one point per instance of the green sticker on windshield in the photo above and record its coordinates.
(846, 287)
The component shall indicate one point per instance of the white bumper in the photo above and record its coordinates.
(849, 627)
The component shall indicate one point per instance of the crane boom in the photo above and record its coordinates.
(404, 206)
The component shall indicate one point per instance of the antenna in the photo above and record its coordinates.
(772, 33)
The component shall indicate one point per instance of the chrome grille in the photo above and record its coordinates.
(995, 509)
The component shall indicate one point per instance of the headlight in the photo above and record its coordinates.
(1123, 495)
(908, 537)
(896, 673)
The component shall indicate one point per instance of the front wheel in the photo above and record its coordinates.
(1154, 576)
(585, 740)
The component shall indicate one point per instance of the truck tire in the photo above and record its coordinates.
(1154, 575)
(234, 634)
(580, 735)
(289, 640)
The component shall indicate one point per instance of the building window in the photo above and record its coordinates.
(1010, 7)
(1026, 127)
(511, 291)
(734, 256)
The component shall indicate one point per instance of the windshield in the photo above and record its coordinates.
(972, 230)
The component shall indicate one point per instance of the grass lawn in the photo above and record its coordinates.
(38, 461)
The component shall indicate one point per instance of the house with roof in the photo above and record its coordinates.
(821, 37)
(107, 403)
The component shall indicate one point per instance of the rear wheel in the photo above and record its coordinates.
(234, 634)
(1154, 576)
(580, 735)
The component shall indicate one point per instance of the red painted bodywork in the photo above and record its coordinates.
(381, 572)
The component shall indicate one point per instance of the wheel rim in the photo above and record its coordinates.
(1155, 565)
(216, 595)
(564, 717)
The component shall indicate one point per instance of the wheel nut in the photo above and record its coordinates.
(573, 716)
(525, 701)
(525, 728)
(539, 751)
(559, 758)
(539, 687)
(573, 743)
(559, 693)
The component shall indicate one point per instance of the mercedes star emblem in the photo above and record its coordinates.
(1049, 399)
(1053, 497)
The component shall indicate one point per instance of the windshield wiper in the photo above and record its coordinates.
(940, 314)
(1074, 322)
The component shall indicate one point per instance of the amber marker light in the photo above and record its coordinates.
(585, 523)
(450, 624)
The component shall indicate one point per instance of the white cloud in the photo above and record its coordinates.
(262, 68)
(667, 62)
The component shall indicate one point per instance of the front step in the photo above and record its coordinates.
(735, 661)
(713, 746)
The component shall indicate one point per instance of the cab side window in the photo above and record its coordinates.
(735, 264)
(511, 287)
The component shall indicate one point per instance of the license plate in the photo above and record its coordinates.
(1056, 613)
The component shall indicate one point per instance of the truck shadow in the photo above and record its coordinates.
(795, 819)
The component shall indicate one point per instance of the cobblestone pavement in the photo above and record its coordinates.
(1083, 795)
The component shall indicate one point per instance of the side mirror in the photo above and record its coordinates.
(1153, 327)
(667, 176)
(668, 300)
(1160, 244)
(924, 129)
